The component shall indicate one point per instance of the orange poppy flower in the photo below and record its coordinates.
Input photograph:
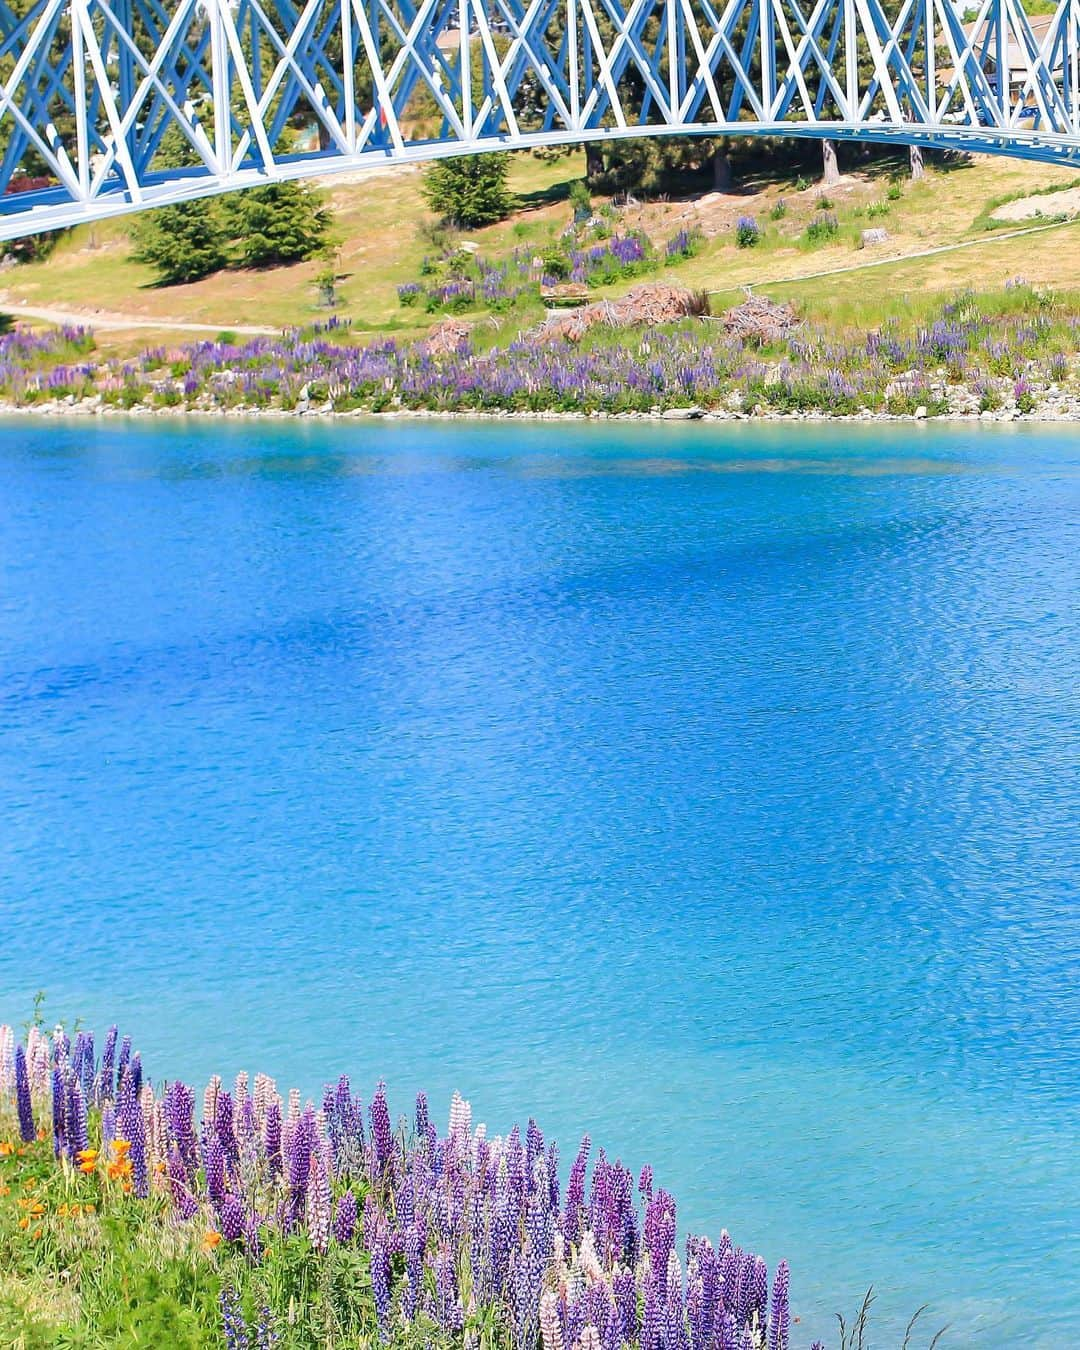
(211, 1239)
(121, 1147)
(24, 1222)
(36, 1234)
(7, 1148)
(41, 1134)
(37, 1209)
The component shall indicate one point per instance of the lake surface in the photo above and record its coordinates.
(714, 789)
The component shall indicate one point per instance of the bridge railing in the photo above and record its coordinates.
(109, 106)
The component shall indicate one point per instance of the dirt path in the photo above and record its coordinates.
(894, 259)
(104, 321)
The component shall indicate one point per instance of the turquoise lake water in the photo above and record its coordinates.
(713, 789)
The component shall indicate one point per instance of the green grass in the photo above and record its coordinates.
(385, 231)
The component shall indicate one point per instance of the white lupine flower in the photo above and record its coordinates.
(590, 1339)
(550, 1326)
(588, 1259)
(209, 1101)
(240, 1088)
(37, 1060)
(294, 1103)
(7, 1059)
(460, 1115)
(265, 1092)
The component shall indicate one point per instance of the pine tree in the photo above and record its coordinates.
(183, 242)
(277, 224)
(469, 191)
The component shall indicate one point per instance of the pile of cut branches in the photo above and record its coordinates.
(653, 302)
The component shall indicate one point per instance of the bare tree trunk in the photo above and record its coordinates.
(721, 168)
(916, 162)
(594, 161)
(831, 171)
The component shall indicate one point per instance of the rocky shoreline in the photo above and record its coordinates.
(1065, 410)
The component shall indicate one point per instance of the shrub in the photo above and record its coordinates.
(556, 263)
(409, 292)
(469, 191)
(185, 242)
(779, 210)
(822, 228)
(277, 224)
(747, 232)
(824, 202)
(580, 199)
(801, 183)
(1025, 399)
(989, 396)
(895, 190)
(876, 209)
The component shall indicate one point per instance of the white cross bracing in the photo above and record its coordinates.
(111, 106)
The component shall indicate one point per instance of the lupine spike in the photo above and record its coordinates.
(23, 1103)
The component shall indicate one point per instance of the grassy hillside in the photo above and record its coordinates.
(381, 221)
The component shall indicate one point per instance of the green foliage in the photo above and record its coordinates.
(779, 210)
(182, 243)
(580, 199)
(7, 323)
(262, 227)
(822, 228)
(801, 183)
(747, 232)
(877, 209)
(895, 190)
(276, 224)
(555, 263)
(469, 191)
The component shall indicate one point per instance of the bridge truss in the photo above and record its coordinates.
(112, 106)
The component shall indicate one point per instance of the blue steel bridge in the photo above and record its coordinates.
(113, 106)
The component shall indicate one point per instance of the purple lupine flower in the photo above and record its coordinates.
(23, 1103)
(78, 1136)
(780, 1318)
(381, 1133)
(61, 1049)
(132, 1127)
(225, 1131)
(106, 1083)
(449, 1313)
(124, 1060)
(345, 1218)
(422, 1117)
(415, 1243)
(214, 1167)
(137, 1072)
(58, 1113)
(232, 1218)
(184, 1202)
(180, 1123)
(87, 1074)
(298, 1148)
(575, 1193)
(272, 1138)
(380, 1287)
